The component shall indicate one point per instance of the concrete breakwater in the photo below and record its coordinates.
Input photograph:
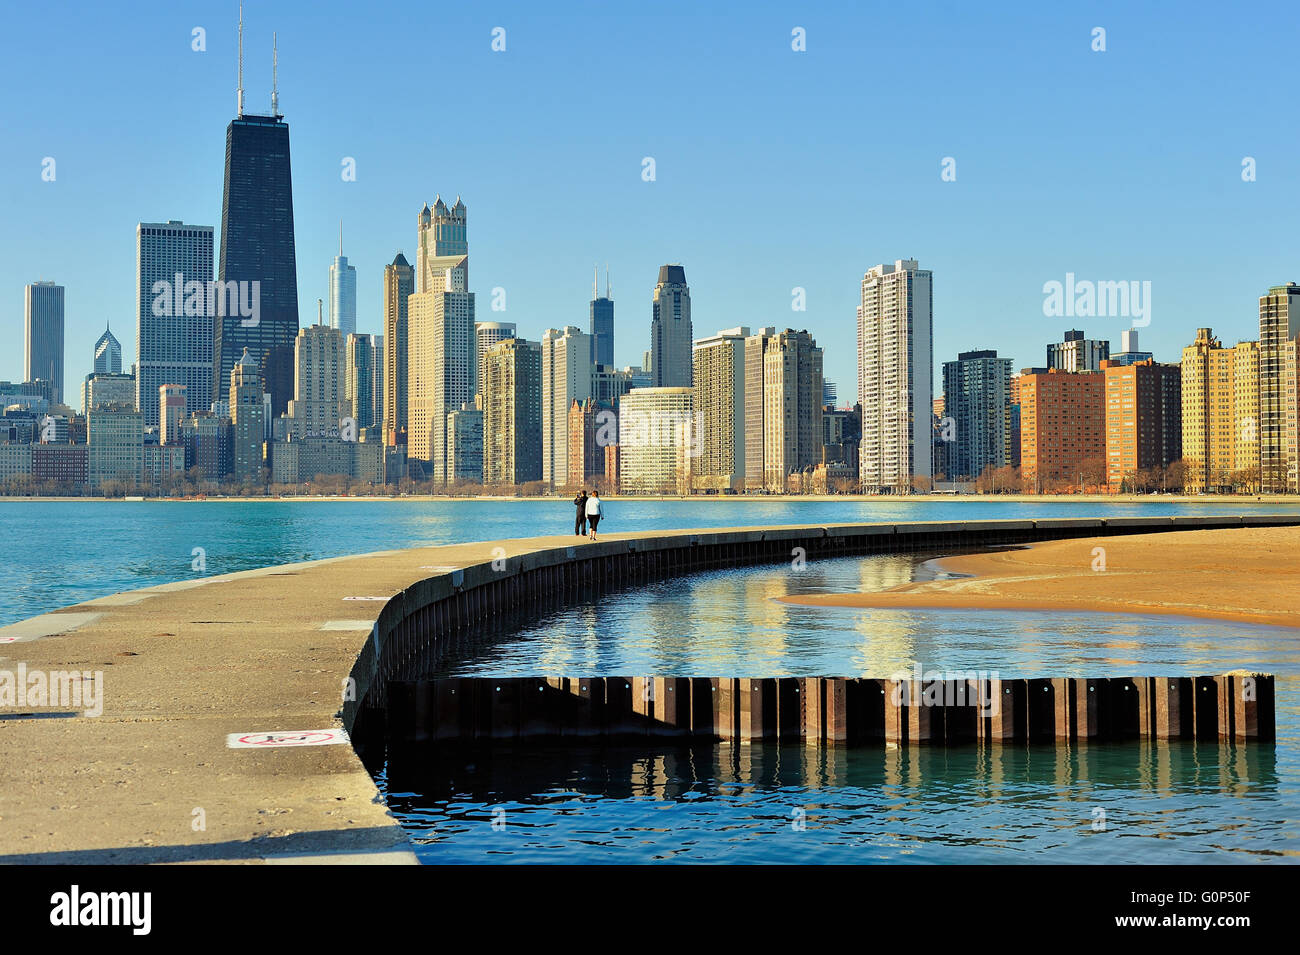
(819, 711)
(430, 620)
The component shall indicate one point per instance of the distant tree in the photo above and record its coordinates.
(1175, 474)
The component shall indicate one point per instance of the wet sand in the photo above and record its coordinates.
(1247, 574)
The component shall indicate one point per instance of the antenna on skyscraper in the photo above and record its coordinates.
(275, 77)
(595, 282)
(607, 291)
(320, 313)
(241, 62)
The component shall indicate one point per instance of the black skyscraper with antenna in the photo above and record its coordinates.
(257, 246)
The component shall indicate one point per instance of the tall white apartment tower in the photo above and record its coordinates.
(895, 372)
(343, 294)
(566, 376)
(174, 331)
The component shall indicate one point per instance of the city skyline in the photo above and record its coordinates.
(990, 283)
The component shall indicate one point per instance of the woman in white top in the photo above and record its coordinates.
(594, 513)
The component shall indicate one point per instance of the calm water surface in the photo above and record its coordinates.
(57, 553)
(1135, 802)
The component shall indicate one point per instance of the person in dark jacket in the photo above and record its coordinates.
(580, 521)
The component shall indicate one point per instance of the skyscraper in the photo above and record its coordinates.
(977, 397)
(512, 420)
(319, 405)
(359, 378)
(442, 232)
(440, 336)
(566, 376)
(1220, 413)
(174, 314)
(399, 284)
(377, 387)
(487, 335)
(601, 326)
(257, 251)
(465, 445)
(1129, 353)
(171, 413)
(43, 334)
(720, 406)
(755, 349)
(655, 438)
(343, 293)
(671, 337)
(108, 354)
(895, 372)
(792, 407)
(1279, 323)
(1062, 429)
(247, 418)
(1144, 422)
(1077, 353)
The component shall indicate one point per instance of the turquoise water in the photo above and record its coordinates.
(57, 553)
(1177, 803)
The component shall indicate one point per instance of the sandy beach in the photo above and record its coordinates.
(1246, 574)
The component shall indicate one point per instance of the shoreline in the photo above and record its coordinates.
(1248, 575)
(1208, 500)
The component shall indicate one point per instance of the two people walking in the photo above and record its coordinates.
(589, 512)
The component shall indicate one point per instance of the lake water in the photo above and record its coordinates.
(57, 553)
(1177, 803)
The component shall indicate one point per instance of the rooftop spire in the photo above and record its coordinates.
(595, 282)
(275, 76)
(240, 106)
(607, 291)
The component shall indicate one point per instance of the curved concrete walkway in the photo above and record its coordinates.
(188, 665)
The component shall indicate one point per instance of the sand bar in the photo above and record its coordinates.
(1246, 574)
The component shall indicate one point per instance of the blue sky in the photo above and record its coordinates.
(775, 168)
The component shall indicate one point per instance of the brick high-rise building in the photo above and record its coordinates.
(591, 426)
(1144, 419)
(1062, 428)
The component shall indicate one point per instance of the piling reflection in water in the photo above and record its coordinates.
(768, 803)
